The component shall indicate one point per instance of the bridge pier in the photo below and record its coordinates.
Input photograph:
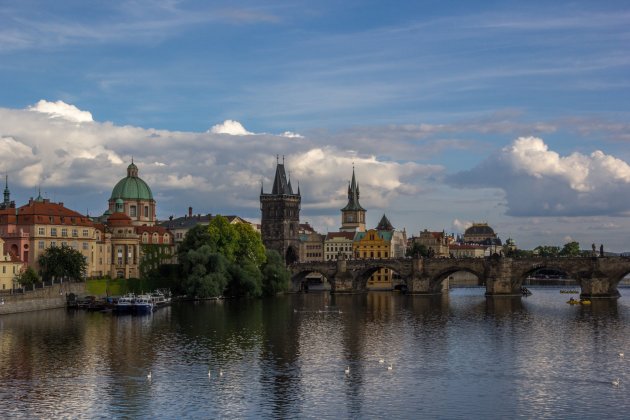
(499, 278)
(599, 288)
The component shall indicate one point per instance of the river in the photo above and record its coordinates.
(459, 355)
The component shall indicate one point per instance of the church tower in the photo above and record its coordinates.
(353, 215)
(280, 219)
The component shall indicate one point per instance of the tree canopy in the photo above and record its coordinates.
(571, 249)
(417, 249)
(62, 262)
(225, 259)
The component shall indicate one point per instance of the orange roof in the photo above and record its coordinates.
(119, 219)
(47, 213)
(153, 229)
(347, 235)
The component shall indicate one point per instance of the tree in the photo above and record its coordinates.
(417, 249)
(206, 273)
(62, 262)
(245, 280)
(275, 276)
(238, 272)
(547, 251)
(571, 249)
(27, 277)
(153, 256)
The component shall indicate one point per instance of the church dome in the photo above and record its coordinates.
(479, 229)
(132, 187)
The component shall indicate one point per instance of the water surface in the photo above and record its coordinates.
(460, 355)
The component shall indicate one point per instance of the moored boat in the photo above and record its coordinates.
(143, 304)
(125, 304)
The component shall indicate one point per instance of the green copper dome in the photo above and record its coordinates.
(132, 187)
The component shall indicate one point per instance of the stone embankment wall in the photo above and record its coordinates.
(35, 300)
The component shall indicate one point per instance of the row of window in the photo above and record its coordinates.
(75, 244)
(314, 254)
(41, 231)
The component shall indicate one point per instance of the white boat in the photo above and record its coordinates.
(125, 304)
(143, 304)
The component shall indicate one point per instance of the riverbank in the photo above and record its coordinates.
(48, 297)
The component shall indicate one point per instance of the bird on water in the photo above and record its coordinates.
(390, 367)
(616, 382)
(149, 376)
(347, 370)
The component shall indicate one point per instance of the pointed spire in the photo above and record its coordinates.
(7, 193)
(353, 194)
(384, 224)
(298, 193)
(39, 194)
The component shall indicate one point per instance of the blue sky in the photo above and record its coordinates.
(515, 113)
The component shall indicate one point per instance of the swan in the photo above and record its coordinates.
(381, 360)
(616, 382)
(347, 370)
(149, 376)
(209, 373)
(220, 372)
(390, 367)
(621, 355)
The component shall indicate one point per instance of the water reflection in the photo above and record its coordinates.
(456, 355)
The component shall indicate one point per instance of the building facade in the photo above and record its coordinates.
(10, 267)
(338, 244)
(136, 196)
(375, 244)
(353, 215)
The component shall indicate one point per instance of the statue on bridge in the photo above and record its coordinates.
(601, 250)
(594, 250)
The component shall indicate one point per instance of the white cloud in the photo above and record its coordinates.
(230, 127)
(540, 182)
(291, 134)
(61, 109)
(460, 225)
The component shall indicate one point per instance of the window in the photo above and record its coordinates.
(146, 211)
(75, 233)
(4, 269)
(132, 211)
(86, 245)
(64, 232)
(41, 245)
(53, 231)
(53, 244)
(64, 243)
(86, 233)
(41, 231)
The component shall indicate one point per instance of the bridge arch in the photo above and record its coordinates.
(438, 279)
(392, 268)
(299, 277)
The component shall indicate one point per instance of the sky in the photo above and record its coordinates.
(507, 112)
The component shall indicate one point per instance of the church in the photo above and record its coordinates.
(113, 244)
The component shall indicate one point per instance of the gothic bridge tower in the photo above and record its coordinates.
(353, 215)
(280, 219)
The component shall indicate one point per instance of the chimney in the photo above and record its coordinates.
(189, 211)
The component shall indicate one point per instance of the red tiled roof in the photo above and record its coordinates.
(46, 213)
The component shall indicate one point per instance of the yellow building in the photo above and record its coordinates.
(9, 268)
(375, 244)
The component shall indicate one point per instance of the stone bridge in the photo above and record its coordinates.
(597, 277)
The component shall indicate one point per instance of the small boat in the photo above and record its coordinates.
(160, 300)
(143, 304)
(585, 301)
(125, 304)
(525, 291)
(573, 301)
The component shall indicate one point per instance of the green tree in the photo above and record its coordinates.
(243, 253)
(245, 280)
(250, 244)
(417, 249)
(27, 277)
(206, 273)
(62, 262)
(275, 276)
(547, 251)
(153, 256)
(571, 249)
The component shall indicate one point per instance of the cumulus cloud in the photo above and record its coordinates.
(230, 127)
(80, 163)
(540, 182)
(63, 110)
(461, 225)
